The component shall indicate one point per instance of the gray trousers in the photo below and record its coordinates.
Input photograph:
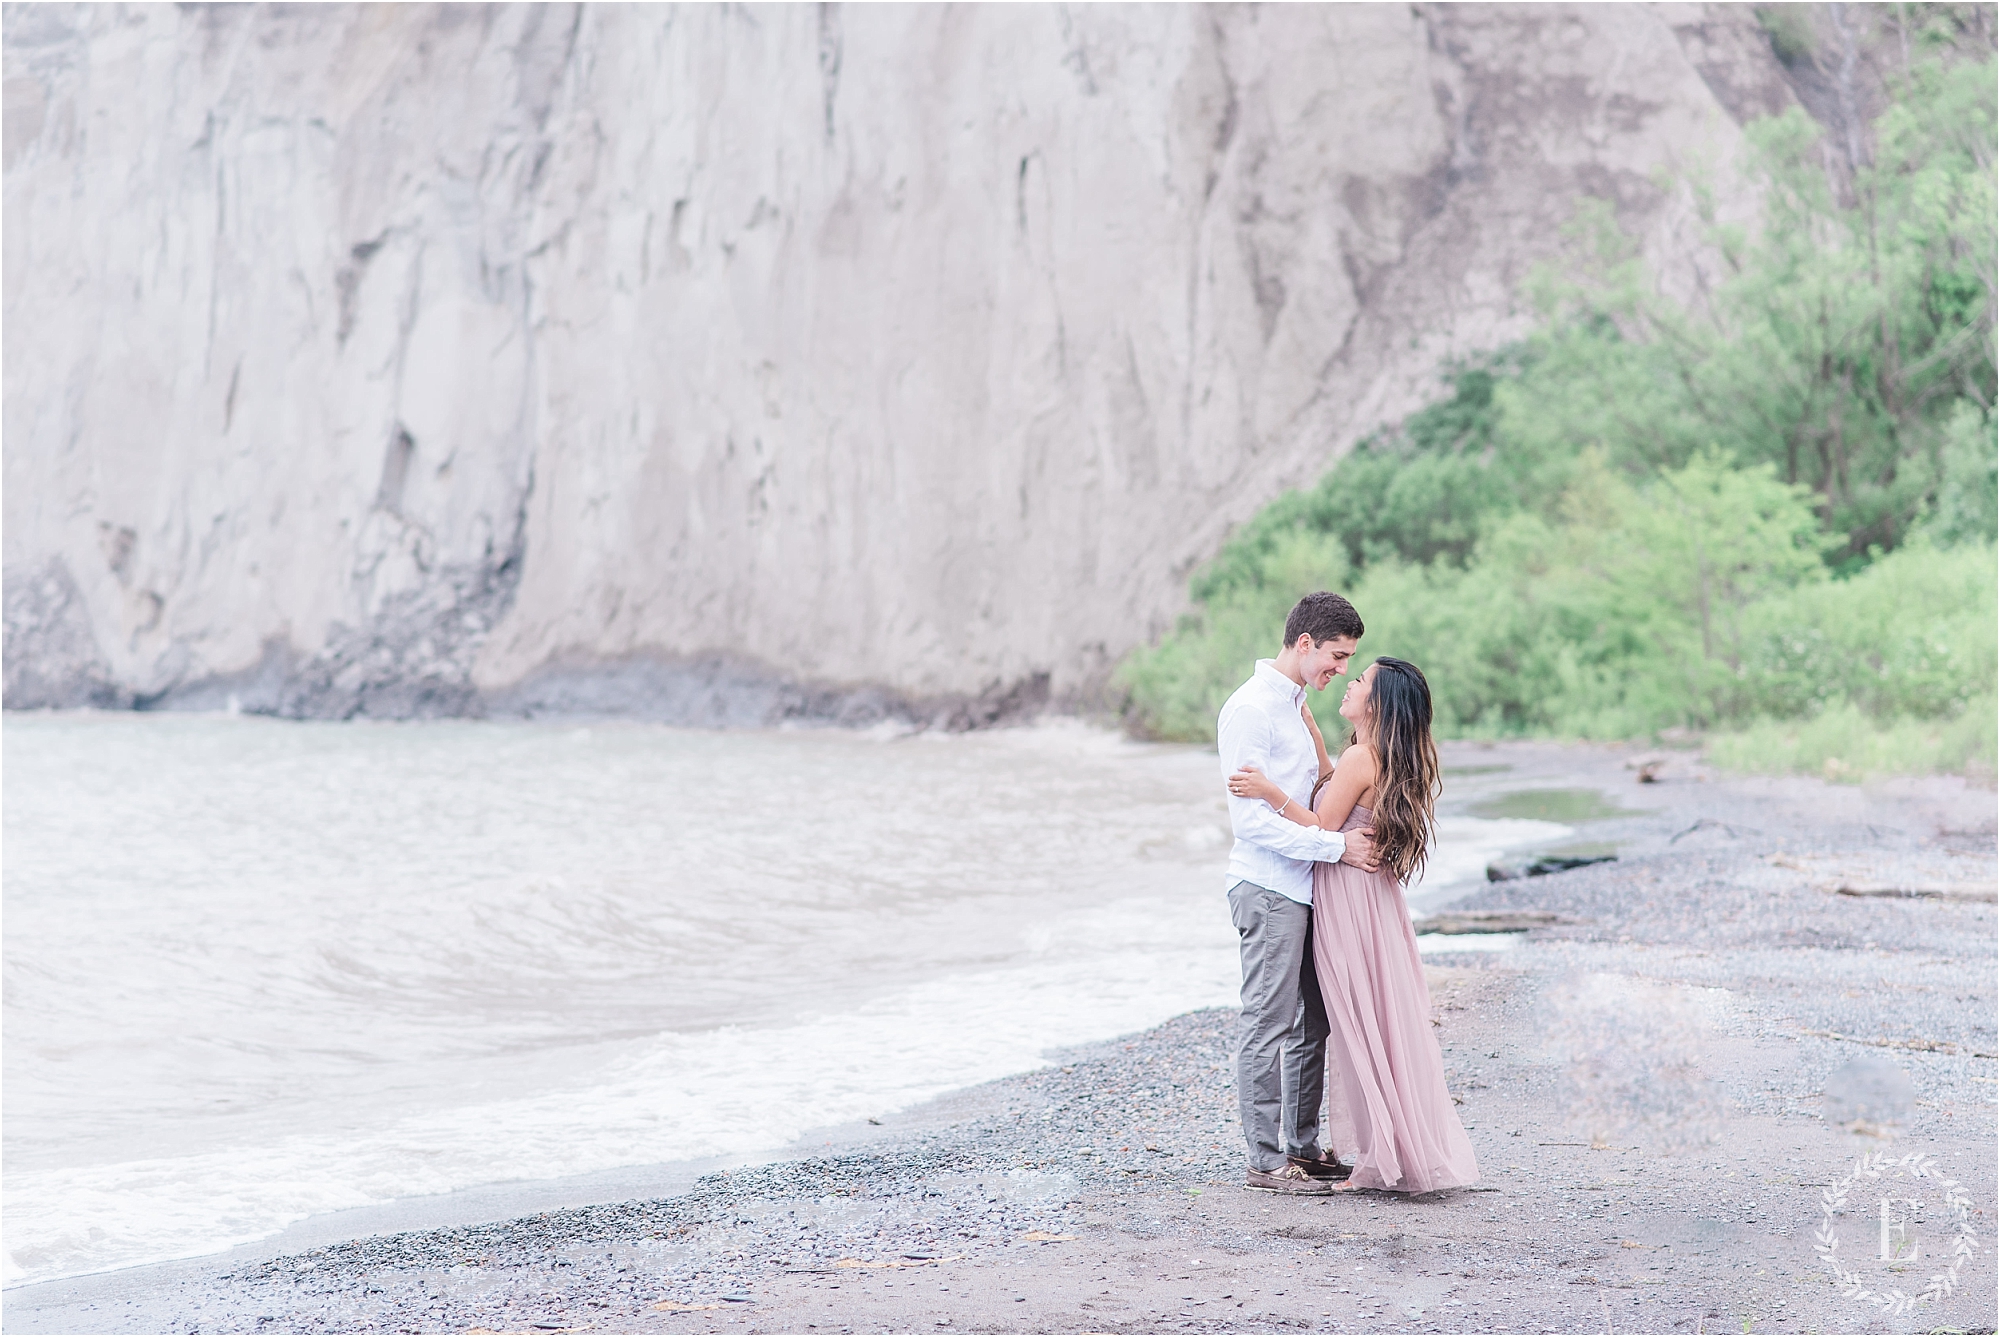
(1281, 1061)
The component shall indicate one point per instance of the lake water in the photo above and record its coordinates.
(260, 970)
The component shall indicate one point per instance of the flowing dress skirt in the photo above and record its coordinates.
(1390, 1114)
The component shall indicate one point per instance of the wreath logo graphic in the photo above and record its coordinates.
(1874, 1168)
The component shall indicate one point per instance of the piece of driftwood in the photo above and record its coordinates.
(1918, 1043)
(1496, 872)
(1490, 921)
(1938, 891)
(1648, 767)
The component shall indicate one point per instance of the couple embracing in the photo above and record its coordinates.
(1331, 981)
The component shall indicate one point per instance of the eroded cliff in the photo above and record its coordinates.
(725, 364)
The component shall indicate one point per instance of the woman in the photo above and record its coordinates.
(1391, 1114)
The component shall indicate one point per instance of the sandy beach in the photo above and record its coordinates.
(1661, 1079)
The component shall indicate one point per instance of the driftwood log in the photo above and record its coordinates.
(1940, 891)
(1554, 863)
(1490, 921)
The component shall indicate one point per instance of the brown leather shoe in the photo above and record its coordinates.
(1322, 1166)
(1290, 1179)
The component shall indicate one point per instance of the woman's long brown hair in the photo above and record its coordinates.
(1407, 780)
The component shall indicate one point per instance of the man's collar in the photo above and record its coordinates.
(1267, 669)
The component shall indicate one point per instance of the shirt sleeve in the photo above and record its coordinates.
(1245, 736)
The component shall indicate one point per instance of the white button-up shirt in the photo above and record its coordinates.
(1260, 726)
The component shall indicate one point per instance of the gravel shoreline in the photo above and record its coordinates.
(1656, 1085)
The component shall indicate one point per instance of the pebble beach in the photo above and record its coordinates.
(1662, 1077)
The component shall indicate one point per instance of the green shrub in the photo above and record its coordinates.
(1846, 743)
(1698, 601)
(1911, 637)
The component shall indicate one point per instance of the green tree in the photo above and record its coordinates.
(1846, 347)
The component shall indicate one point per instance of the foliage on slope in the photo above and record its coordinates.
(1773, 509)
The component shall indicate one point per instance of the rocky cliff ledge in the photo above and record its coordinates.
(725, 365)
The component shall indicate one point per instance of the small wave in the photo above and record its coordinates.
(732, 1091)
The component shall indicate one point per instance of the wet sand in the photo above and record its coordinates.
(1660, 1082)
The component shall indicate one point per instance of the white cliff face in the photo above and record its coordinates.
(719, 363)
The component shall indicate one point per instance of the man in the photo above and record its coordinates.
(1281, 1065)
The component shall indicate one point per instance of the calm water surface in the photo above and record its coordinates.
(257, 970)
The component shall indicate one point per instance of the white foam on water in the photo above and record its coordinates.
(724, 1092)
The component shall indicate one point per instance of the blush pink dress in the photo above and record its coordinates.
(1390, 1116)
